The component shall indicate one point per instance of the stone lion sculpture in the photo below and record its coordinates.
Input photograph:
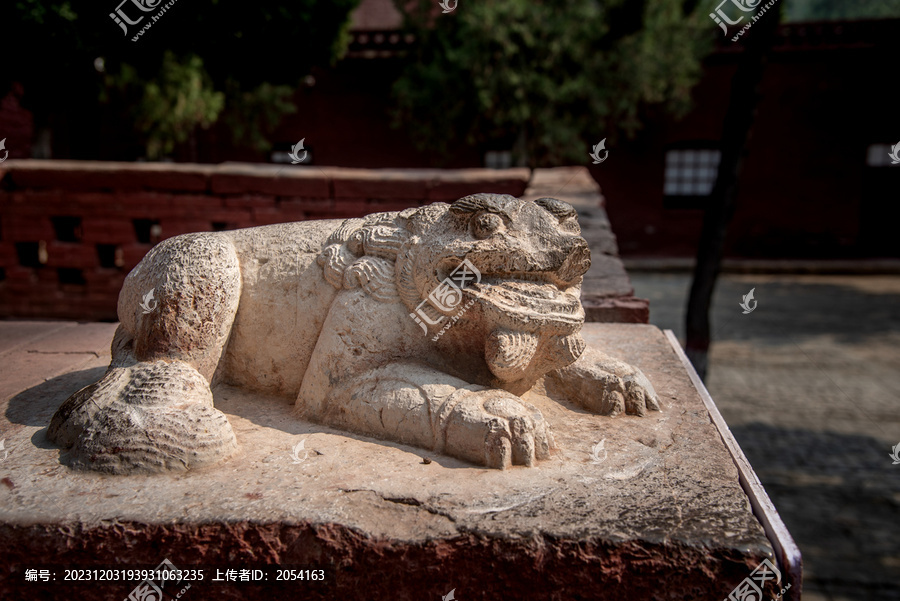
(422, 327)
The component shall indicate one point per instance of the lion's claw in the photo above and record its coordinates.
(639, 395)
(606, 386)
(497, 429)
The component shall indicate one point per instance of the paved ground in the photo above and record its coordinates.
(809, 383)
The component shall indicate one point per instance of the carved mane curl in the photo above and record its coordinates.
(362, 253)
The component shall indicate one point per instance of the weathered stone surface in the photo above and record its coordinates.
(655, 512)
(620, 309)
(397, 184)
(574, 185)
(455, 183)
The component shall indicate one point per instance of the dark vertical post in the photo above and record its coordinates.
(736, 127)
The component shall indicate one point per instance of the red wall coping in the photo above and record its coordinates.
(249, 178)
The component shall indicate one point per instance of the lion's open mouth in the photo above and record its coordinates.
(530, 296)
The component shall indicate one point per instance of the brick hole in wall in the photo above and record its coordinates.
(67, 228)
(110, 256)
(147, 231)
(31, 254)
(2, 273)
(218, 226)
(70, 275)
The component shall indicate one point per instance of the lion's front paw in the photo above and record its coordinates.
(605, 385)
(497, 429)
(639, 395)
(610, 394)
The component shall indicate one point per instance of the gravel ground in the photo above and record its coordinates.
(809, 383)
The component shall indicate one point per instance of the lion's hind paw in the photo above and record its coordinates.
(150, 417)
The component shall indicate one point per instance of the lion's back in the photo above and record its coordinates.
(284, 301)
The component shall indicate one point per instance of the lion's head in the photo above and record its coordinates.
(528, 255)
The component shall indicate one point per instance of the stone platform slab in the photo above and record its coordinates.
(654, 512)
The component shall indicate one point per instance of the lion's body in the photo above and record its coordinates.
(359, 321)
(284, 302)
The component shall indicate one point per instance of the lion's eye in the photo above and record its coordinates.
(486, 225)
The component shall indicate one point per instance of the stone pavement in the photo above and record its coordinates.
(809, 383)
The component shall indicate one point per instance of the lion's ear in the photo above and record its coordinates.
(561, 210)
(495, 203)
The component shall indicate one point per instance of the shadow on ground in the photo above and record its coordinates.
(840, 498)
(36, 405)
(799, 305)
(808, 382)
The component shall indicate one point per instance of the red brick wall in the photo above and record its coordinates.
(805, 190)
(70, 231)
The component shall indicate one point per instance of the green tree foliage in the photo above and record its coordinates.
(545, 77)
(202, 61)
(253, 112)
(168, 107)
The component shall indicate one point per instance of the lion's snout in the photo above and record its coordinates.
(577, 262)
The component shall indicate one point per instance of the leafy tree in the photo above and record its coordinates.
(546, 76)
(169, 106)
(201, 61)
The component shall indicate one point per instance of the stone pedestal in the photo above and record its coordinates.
(627, 507)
